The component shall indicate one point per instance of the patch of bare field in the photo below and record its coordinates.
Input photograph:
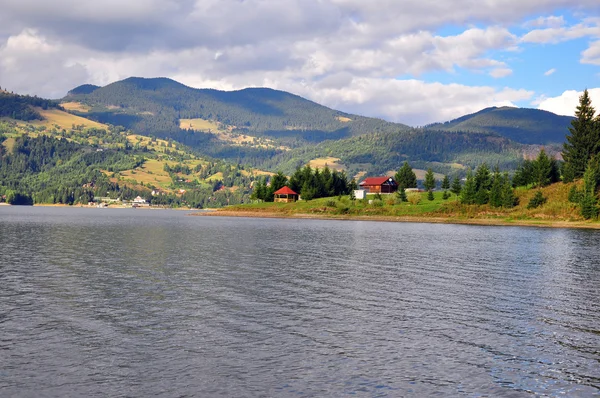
(331, 162)
(75, 106)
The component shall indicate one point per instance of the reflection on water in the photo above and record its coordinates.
(98, 302)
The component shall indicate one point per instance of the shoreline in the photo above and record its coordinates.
(406, 219)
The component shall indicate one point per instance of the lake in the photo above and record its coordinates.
(130, 302)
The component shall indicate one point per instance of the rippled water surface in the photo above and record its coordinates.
(97, 302)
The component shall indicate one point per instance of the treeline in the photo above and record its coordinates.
(20, 107)
(309, 183)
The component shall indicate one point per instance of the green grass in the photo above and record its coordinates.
(556, 209)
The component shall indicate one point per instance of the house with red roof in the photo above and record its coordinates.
(379, 185)
(285, 195)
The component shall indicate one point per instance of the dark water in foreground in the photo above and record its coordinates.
(97, 302)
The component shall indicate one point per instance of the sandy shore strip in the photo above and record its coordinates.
(430, 220)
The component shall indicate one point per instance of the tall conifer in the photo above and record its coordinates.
(584, 140)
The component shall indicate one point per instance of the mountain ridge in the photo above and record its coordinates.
(523, 125)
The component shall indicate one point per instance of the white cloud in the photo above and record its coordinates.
(346, 53)
(546, 22)
(549, 72)
(413, 102)
(592, 54)
(556, 34)
(566, 103)
(501, 72)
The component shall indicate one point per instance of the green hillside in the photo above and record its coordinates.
(526, 126)
(48, 162)
(155, 107)
(446, 152)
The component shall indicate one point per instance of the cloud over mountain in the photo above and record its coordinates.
(411, 61)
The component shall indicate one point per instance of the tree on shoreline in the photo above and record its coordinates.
(584, 140)
(406, 177)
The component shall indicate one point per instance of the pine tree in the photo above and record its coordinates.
(589, 198)
(542, 170)
(401, 194)
(496, 190)
(468, 192)
(446, 183)
(483, 183)
(429, 182)
(509, 200)
(406, 176)
(456, 186)
(584, 140)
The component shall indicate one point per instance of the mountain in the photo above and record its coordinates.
(84, 89)
(157, 107)
(526, 126)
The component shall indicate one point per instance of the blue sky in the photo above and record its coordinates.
(411, 61)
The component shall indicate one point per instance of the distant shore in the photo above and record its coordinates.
(543, 223)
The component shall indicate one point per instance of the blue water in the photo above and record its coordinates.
(111, 302)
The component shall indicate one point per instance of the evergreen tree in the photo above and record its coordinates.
(406, 177)
(589, 197)
(430, 195)
(496, 190)
(542, 170)
(483, 183)
(429, 182)
(401, 194)
(509, 200)
(583, 141)
(469, 191)
(524, 174)
(446, 183)
(456, 186)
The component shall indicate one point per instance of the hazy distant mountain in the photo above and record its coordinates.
(527, 126)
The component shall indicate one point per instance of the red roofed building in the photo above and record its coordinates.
(379, 185)
(285, 195)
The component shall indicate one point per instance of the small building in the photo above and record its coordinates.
(359, 194)
(379, 185)
(285, 195)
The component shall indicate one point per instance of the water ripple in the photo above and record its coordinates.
(137, 303)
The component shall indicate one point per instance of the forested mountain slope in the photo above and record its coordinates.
(156, 106)
(527, 126)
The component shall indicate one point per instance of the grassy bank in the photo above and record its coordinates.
(557, 211)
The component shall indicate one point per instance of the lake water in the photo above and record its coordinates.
(99, 302)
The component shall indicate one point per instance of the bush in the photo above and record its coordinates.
(377, 203)
(430, 195)
(414, 198)
(537, 200)
(330, 203)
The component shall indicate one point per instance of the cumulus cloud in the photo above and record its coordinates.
(566, 103)
(343, 53)
(592, 54)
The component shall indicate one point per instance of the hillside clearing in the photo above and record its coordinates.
(331, 162)
(75, 106)
(62, 119)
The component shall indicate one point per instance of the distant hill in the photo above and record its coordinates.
(22, 107)
(526, 126)
(83, 89)
(155, 107)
